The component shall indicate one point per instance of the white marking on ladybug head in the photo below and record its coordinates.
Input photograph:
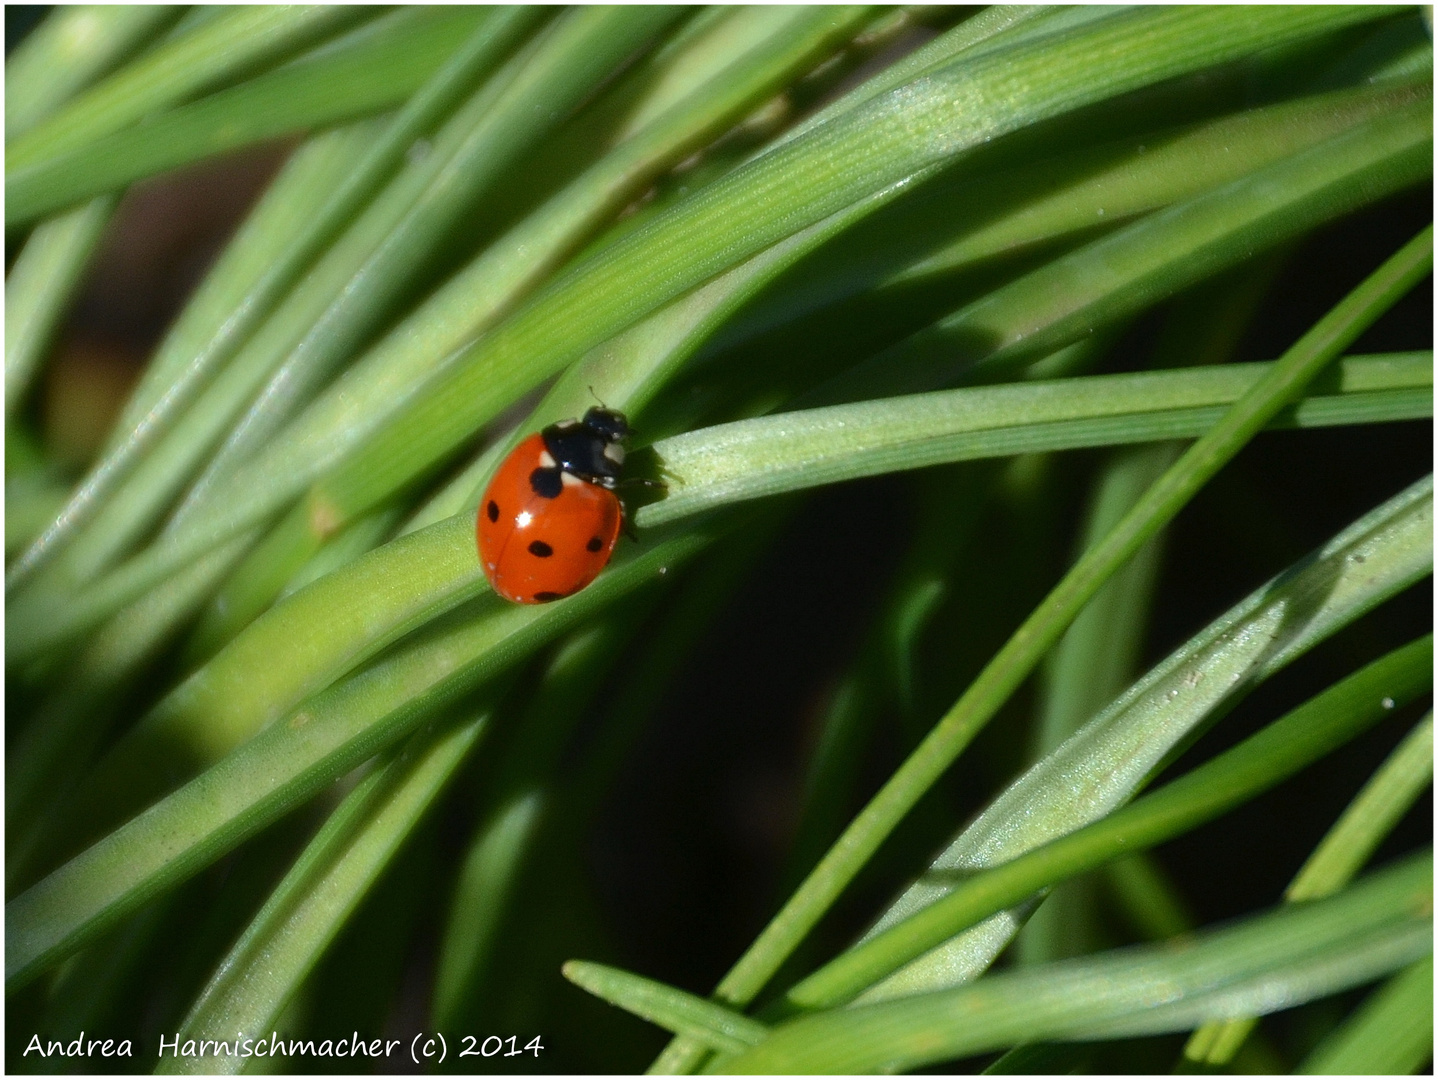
(546, 459)
(570, 480)
(567, 425)
(614, 452)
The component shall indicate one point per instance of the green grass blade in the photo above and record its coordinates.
(1125, 272)
(1273, 960)
(1289, 744)
(232, 43)
(1021, 654)
(1367, 820)
(374, 68)
(1120, 748)
(290, 760)
(279, 948)
(1391, 1034)
(768, 455)
(713, 1025)
(74, 46)
(40, 287)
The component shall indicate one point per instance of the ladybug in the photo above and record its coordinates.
(549, 519)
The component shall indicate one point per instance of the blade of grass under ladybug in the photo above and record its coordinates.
(1365, 822)
(262, 579)
(713, 1025)
(73, 47)
(1274, 959)
(355, 283)
(1278, 751)
(1390, 1034)
(832, 166)
(40, 288)
(1017, 659)
(369, 70)
(1194, 686)
(231, 44)
(324, 886)
(710, 467)
(292, 758)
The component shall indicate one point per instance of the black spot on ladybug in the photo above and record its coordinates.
(547, 483)
(540, 548)
(594, 543)
(546, 597)
(492, 510)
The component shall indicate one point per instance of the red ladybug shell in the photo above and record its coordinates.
(536, 549)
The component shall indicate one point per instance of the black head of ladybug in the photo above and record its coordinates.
(592, 448)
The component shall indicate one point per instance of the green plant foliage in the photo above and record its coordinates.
(957, 345)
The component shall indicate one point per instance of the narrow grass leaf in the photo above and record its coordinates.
(40, 287)
(1018, 657)
(1274, 960)
(713, 1025)
(1281, 749)
(1391, 1034)
(1367, 820)
(1123, 273)
(369, 70)
(231, 44)
(767, 455)
(308, 908)
(74, 46)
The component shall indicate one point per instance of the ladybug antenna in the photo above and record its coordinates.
(597, 398)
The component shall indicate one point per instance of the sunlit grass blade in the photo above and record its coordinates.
(1366, 821)
(1120, 749)
(1289, 744)
(40, 286)
(327, 882)
(374, 68)
(231, 44)
(291, 759)
(713, 1025)
(77, 44)
(746, 459)
(1390, 1035)
(1123, 273)
(1272, 961)
(1278, 387)
(963, 220)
